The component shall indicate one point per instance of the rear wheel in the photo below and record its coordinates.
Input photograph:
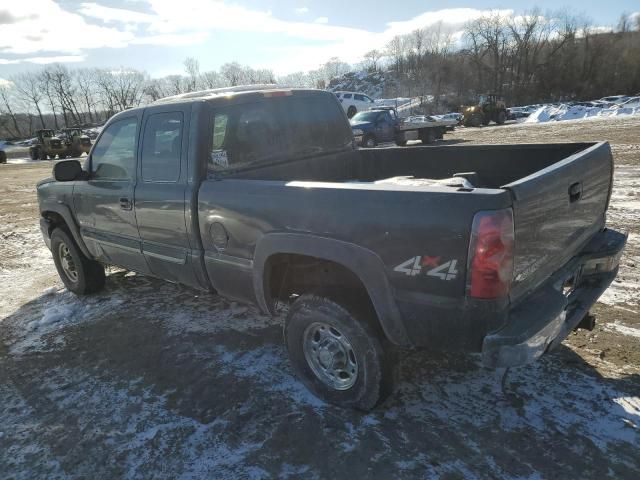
(41, 154)
(80, 274)
(351, 111)
(427, 136)
(502, 116)
(33, 153)
(336, 353)
(3, 156)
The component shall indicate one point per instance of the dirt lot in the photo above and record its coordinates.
(154, 380)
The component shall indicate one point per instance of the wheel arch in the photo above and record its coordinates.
(364, 264)
(60, 216)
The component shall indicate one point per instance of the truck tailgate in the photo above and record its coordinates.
(556, 211)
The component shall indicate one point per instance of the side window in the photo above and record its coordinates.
(346, 95)
(367, 99)
(359, 97)
(162, 147)
(218, 157)
(114, 156)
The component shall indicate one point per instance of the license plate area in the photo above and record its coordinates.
(571, 282)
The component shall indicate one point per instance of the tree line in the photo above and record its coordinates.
(57, 96)
(530, 58)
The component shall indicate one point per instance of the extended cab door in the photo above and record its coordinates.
(104, 203)
(163, 194)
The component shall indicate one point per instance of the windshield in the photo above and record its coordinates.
(365, 117)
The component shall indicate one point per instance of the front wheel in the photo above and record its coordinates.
(502, 116)
(369, 141)
(80, 274)
(336, 353)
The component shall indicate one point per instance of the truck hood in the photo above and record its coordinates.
(362, 125)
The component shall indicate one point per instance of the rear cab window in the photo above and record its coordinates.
(275, 129)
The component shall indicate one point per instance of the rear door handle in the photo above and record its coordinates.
(575, 191)
(125, 204)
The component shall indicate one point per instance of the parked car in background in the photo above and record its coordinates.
(610, 101)
(631, 102)
(353, 102)
(453, 116)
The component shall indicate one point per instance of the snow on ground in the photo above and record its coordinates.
(553, 113)
(624, 211)
(154, 380)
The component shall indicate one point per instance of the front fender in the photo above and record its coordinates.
(364, 263)
(65, 212)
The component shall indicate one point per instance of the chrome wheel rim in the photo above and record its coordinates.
(330, 356)
(67, 263)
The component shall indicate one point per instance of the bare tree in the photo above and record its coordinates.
(372, 58)
(6, 108)
(192, 67)
(28, 88)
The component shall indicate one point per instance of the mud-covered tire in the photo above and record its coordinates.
(502, 116)
(351, 111)
(41, 154)
(89, 274)
(33, 153)
(428, 136)
(3, 156)
(373, 363)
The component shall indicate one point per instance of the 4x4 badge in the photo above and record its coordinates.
(416, 265)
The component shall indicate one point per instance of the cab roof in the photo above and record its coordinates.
(214, 93)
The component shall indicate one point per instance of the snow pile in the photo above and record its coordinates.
(556, 113)
(373, 84)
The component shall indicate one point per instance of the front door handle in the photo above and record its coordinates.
(125, 204)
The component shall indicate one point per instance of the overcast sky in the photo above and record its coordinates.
(285, 36)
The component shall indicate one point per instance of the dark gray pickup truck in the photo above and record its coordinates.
(259, 195)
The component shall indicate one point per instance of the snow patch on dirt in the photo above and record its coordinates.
(623, 329)
(53, 315)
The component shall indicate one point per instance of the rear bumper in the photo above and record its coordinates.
(542, 320)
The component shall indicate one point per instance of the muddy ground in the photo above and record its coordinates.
(154, 380)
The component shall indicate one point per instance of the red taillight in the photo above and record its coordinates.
(491, 254)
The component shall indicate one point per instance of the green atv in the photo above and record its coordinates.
(489, 108)
(48, 145)
(77, 142)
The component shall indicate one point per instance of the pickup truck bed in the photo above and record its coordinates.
(336, 197)
(493, 249)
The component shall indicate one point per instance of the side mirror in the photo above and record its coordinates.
(67, 171)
